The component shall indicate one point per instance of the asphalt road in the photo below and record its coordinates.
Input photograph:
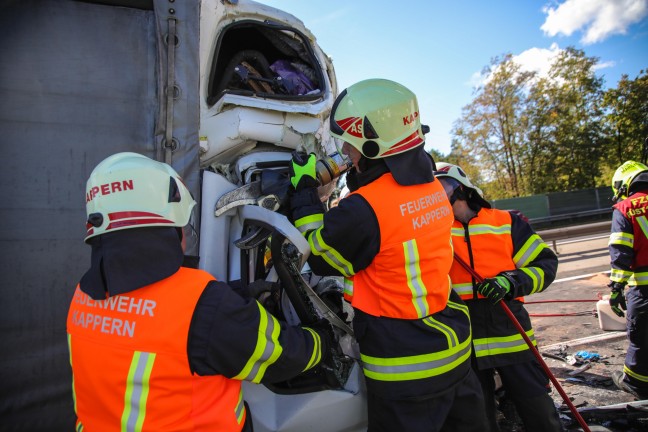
(581, 256)
(563, 329)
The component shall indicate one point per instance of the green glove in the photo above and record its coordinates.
(617, 298)
(302, 171)
(495, 288)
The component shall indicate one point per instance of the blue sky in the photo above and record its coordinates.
(438, 48)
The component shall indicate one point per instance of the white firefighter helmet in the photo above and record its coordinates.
(129, 190)
(379, 117)
(444, 169)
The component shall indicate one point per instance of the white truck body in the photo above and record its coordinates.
(80, 80)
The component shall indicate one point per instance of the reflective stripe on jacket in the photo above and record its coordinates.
(408, 278)
(130, 367)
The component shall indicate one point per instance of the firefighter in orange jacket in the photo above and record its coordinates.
(390, 239)
(155, 346)
(503, 248)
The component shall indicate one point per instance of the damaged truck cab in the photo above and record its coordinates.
(267, 90)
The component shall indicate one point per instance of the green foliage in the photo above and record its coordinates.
(627, 118)
(523, 134)
(491, 128)
(437, 155)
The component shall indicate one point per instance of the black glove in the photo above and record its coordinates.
(496, 288)
(617, 298)
(303, 172)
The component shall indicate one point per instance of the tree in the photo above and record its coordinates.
(574, 125)
(627, 118)
(492, 130)
(539, 117)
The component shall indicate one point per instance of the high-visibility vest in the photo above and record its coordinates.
(634, 209)
(489, 247)
(490, 235)
(130, 367)
(408, 278)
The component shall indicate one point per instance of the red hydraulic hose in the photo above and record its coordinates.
(560, 301)
(535, 352)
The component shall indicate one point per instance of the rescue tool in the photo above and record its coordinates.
(269, 191)
(533, 349)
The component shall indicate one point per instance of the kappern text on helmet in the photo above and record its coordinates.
(109, 188)
(438, 200)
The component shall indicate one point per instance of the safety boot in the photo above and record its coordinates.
(618, 378)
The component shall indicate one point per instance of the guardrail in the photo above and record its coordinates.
(571, 216)
(552, 235)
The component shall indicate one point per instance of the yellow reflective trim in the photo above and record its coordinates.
(618, 275)
(239, 410)
(460, 307)
(458, 232)
(479, 229)
(638, 279)
(137, 390)
(451, 335)
(502, 345)
(635, 375)
(463, 288)
(267, 349)
(643, 224)
(74, 399)
(529, 251)
(415, 367)
(621, 238)
(316, 355)
(348, 287)
(309, 223)
(414, 281)
(331, 256)
(537, 277)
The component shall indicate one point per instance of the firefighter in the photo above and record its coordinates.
(390, 239)
(154, 345)
(629, 260)
(514, 262)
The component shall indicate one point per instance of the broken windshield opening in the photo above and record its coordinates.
(255, 59)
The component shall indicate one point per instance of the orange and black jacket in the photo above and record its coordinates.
(171, 355)
(494, 242)
(392, 245)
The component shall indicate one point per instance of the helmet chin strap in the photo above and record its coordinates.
(465, 211)
(623, 190)
(458, 193)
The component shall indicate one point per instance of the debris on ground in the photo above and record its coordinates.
(581, 356)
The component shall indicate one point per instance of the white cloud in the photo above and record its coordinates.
(604, 65)
(597, 19)
(537, 60)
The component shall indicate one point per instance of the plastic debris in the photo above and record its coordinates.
(588, 356)
(573, 360)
